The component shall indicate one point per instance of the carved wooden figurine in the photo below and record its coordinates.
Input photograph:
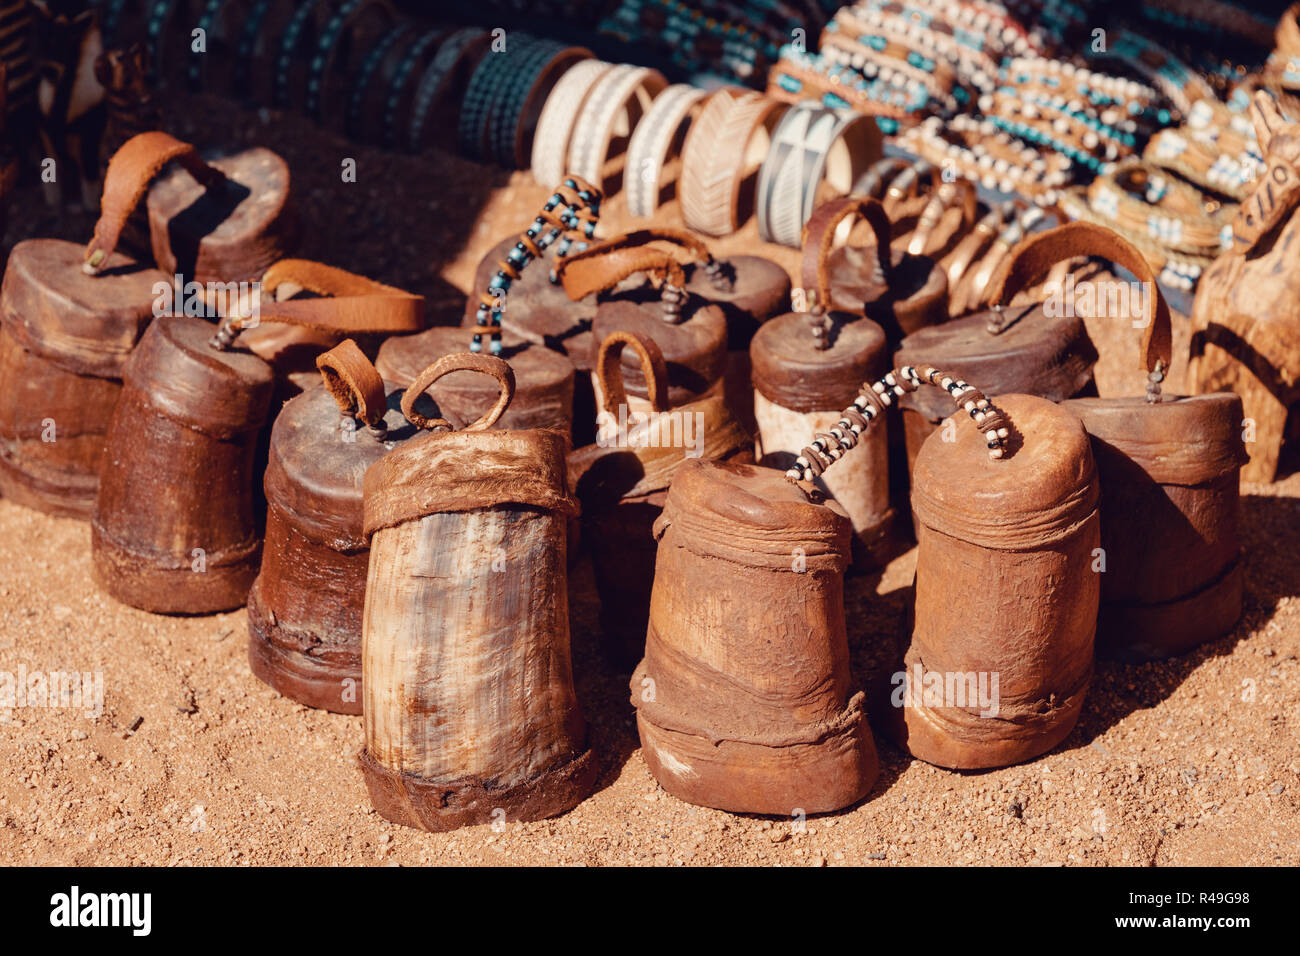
(1247, 309)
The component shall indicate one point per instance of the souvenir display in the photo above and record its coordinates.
(752, 292)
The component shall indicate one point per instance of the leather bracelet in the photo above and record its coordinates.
(923, 86)
(977, 150)
(559, 115)
(491, 82)
(727, 140)
(651, 146)
(810, 143)
(619, 98)
(362, 23)
(371, 65)
(400, 82)
(445, 76)
(288, 49)
(513, 125)
(267, 20)
(219, 20)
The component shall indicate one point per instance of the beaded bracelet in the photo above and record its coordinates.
(341, 33)
(1175, 270)
(800, 76)
(1204, 165)
(1180, 85)
(1171, 213)
(573, 207)
(412, 57)
(874, 401)
(967, 146)
(1101, 91)
(878, 61)
(459, 54)
(909, 25)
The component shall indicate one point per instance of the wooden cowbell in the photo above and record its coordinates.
(304, 609)
(470, 710)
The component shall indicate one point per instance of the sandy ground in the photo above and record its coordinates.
(193, 761)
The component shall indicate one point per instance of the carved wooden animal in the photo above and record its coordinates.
(70, 100)
(1246, 317)
(131, 107)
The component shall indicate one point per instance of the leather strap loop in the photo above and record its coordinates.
(1036, 255)
(609, 370)
(130, 171)
(349, 303)
(823, 229)
(354, 382)
(461, 362)
(598, 269)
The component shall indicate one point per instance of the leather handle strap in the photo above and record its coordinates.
(1033, 257)
(130, 171)
(597, 269)
(609, 370)
(824, 228)
(461, 362)
(354, 382)
(348, 303)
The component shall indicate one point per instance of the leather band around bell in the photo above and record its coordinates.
(651, 145)
(558, 118)
(608, 113)
(727, 141)
(811, 143)
(1037, 254)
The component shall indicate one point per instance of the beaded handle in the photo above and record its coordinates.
(356, 385)
(609, 370)
(1037, 254)
(460, 362)
(573, 207)
(829, 447)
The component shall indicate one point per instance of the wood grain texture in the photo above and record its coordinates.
(465, 655)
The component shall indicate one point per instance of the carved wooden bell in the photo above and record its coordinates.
(304, 609)
(623, 478)
(470, 713)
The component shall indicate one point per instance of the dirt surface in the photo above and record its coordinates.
(193, 761)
